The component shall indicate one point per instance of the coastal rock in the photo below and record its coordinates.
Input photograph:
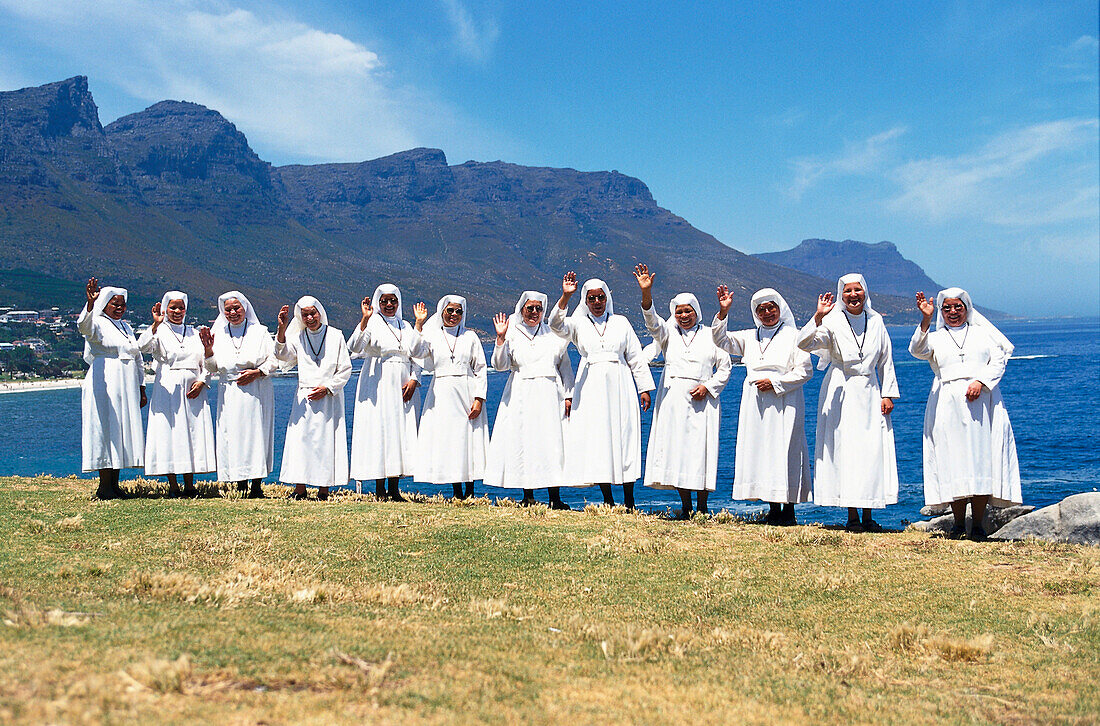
(995, 519)
(935, 510)
(1075, 519)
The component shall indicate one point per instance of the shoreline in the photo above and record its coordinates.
(41, 385)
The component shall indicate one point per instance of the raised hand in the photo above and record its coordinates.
(91, 290)
(420, 314)
(158, 314)
(725, 301)
(284, 317)
(825, 304)
(500, 322)
(569, 284)
(367, 308)
(926, 306)
(207, 340)
(644, 277)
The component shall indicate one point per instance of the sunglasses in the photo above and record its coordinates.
(956, 306)
(452, 311)
(596, 298)
(532, 308)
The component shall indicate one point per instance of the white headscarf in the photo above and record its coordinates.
(767, 294)
(973, 317)
(296, 325)
(835, 318)
(517, 317)
(387, 289)
(221, 323)
(848, 280)
(435, 322)
(684, 298)
(105, 296)
(593, 284)
(169, 297)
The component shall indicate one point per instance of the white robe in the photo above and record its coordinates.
(180, 433)
(110, 396)
(383, 438)
(772, 461)
(316, 448)
(969, 448)
(603, 440)
(450, 447)
(683, 439)
(855, 464)
(245, 426)
(527, 448)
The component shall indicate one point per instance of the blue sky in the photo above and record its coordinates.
(965, 132)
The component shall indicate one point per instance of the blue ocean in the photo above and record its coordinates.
(1051, 390)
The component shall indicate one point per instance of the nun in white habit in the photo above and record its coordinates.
(387, 405)
(683, 439)
(771, 462)
(316, 449)
(179, 438)
(603, 440)
(240, 352)
(453, 437)
(527, 448)
(855, 463)
(969, 448)
(113, 390)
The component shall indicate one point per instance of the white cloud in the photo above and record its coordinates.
(298, 92)
(863, 157)
(474, 39)
(1021, 177)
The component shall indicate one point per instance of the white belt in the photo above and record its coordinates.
(604, 357)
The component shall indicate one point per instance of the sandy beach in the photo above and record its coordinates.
(51, 385)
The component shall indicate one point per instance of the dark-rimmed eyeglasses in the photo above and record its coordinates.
(532, 308)
(596, 298)
(957, 306)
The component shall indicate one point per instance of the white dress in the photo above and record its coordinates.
(180, 434)
(855, 464)
(245, 426)
(527, 449)
(683, 439)
(603, 440)
(450, 447)
(110, 396)
(772, 461)
(316, 448)
(969, 448)
(383, 439)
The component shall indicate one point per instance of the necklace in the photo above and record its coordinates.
(529, 337)
(449, 346)
(950, 334)
(390, 328)
(764, 346)
(605, 322)
(315, 353)
(237, 346)
(179, 338)
(120, 326)
(683, 335)
(859, 343)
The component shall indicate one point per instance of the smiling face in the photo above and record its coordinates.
(954, 312)
(532, 312)
(596, 300)
(768, 312)
(853, 297)
(234, 311)
(387, 304)
(115, 307)
(686, 317)
(452, 314)
(175, 312)
(311, 318)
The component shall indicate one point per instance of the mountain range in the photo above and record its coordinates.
(174, 197)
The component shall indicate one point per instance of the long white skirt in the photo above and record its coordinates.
(772, 461)
(383, 437)
(855, 462)
(969, 448)
(246, 430)
(683, 440)
(316, 449)
(603, 440)
(110, 416)
(450, 447)
(180, 435)
(527, 449)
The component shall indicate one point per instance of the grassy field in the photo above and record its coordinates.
(224, 610)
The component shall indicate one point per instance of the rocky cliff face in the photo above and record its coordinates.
(173, 196)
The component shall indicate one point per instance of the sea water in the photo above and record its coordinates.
(1050, 388)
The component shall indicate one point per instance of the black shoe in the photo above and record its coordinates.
(190, 493)
(104, 493)
(854, 525)
(298, 496)
(870, 525)
(527, 502)
(977, 533)
(958, 531)
(773, 519)
(322, 496)
(256, 492)
(560, 506)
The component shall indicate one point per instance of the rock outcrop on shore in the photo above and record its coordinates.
(995, 518)
(1075, 519)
